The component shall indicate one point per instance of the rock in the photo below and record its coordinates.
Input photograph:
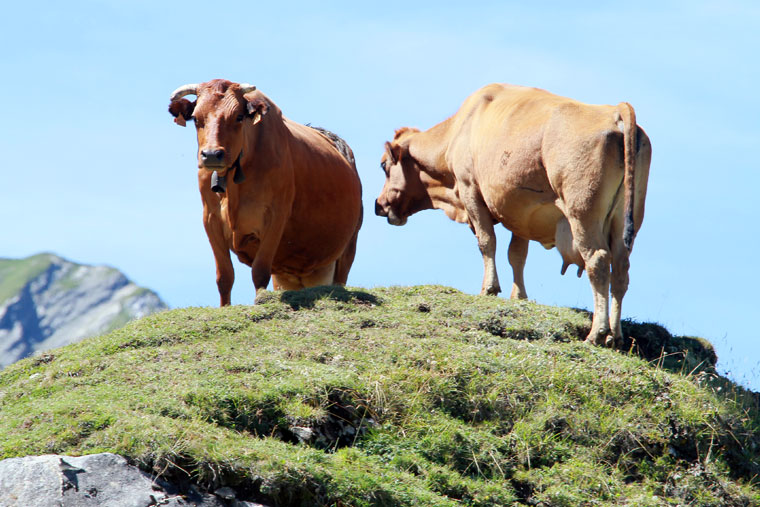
(48, 302)
(96, 480)
(303, 434)
(225, 493)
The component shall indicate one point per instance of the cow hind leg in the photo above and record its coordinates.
(598, 267)
(518, 253)
(619, 283)
(286, 282)
(346, 260)
(597, 259)
(322, 276)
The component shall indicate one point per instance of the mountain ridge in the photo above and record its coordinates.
(47, 301)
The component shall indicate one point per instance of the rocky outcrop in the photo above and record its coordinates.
(47, 302)
(97, 480)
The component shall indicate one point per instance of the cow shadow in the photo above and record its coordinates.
(307, 298)
(655, 344)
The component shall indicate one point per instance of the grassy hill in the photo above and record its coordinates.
(396, 396)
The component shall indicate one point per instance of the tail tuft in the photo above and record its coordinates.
(628, 232)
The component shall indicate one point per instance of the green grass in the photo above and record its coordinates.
(15, 273)
(396, 396)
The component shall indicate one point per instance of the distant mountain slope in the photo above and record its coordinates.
(48, 302)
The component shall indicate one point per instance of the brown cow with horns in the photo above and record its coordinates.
(293, 209)
(549, 168)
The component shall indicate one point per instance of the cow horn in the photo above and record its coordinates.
(245, 88)
(188, 89)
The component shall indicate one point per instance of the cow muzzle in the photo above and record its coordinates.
(212, 158)
(379, 210)
(394, 219)
(389, 213)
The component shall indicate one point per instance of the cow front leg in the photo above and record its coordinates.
(487, 245)
(481, 223)
(225, 277)
(261, 273)
(261, 267)
(518, 253)
(225, 273)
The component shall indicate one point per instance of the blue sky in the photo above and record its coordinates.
(96, 171)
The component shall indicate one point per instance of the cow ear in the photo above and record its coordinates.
(257, 108)
(394, 152)
(182, 110)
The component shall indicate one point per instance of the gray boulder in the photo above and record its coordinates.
(97, 480)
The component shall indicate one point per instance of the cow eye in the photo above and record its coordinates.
(240, 117)
(382, 164)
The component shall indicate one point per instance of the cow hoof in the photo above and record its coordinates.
(490, 291)
(264, 296)
(599, 338)
(518, 295)
(614, 342)
(591, 341)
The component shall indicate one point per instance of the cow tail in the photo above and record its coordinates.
(628, 120)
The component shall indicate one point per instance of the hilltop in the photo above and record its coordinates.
(47, 302)
(395, 396)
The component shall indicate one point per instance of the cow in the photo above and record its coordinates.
(549, 168)
(293, 208)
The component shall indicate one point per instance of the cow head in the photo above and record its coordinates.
(220, 113)
(405, 191)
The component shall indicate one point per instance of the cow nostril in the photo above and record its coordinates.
(219, 154)
(378, 209)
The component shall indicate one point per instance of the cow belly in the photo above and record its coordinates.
(307, 253)
(316, 236)
(528, 214)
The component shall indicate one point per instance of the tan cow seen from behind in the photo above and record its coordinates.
(549, 168)
(293, 208)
